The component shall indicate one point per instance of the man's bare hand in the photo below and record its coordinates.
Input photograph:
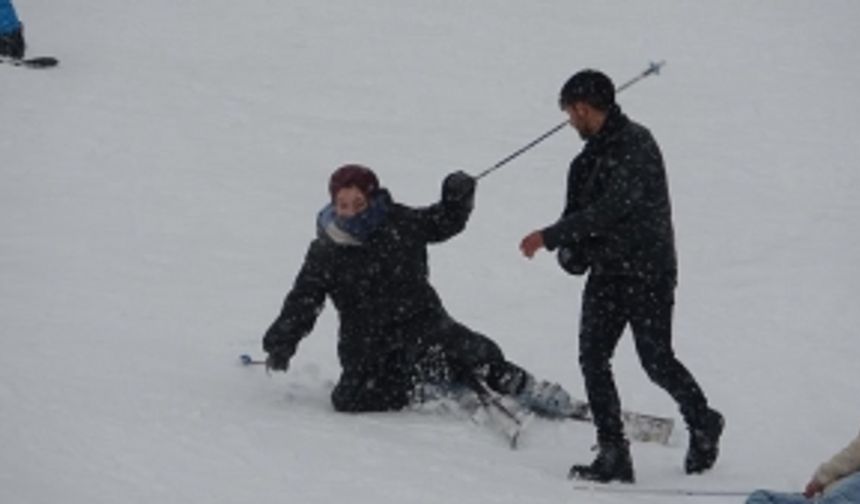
(531, 244)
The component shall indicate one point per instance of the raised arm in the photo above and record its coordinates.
(448, 217)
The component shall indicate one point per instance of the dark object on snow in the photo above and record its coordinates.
(12, 44)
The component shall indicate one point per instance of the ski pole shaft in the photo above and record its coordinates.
(247, 360)
(523, 149)
(488, 398)
(653, 69)
(679, 492)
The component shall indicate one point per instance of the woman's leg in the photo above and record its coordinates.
(844, 491)
(768, 497)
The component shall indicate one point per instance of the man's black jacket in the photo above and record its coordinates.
(618, 214)
(380, 288)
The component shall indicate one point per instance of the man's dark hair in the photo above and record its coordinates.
(589, 86)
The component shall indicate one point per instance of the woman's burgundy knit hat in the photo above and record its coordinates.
(353, 175)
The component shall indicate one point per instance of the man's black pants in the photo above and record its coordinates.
(610, 302)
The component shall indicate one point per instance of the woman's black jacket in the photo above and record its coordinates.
(380, 288)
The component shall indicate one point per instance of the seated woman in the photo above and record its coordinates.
(370, 258)
(836, 481)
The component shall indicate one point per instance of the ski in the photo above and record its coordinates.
(647, 428)
(637, 426)
(39, 62)
(669, 492)
(483, 405)
(486, 406)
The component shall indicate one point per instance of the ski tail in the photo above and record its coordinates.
(647, 428)
(640, 427)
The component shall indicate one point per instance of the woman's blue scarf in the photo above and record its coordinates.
(353, 230)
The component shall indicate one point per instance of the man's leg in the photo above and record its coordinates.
(602, 324)
(651, 303)
(651, 319)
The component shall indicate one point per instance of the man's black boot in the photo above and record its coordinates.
(704, 443)
(613, 463)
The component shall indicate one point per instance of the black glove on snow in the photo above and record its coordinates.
(280, 350)
(458, 186)
(277, 362)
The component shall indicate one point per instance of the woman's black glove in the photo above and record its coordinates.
(278, 362)
(459, 187)
(279, 349)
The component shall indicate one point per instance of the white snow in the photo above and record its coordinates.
(158, 191)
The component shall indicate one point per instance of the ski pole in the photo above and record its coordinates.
(490, 399)
(668, 492)
(653, 69)
(247, 360)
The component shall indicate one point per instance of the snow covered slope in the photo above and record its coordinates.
(158, 191)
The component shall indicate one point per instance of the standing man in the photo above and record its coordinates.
(617, 223)
(11, 32)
